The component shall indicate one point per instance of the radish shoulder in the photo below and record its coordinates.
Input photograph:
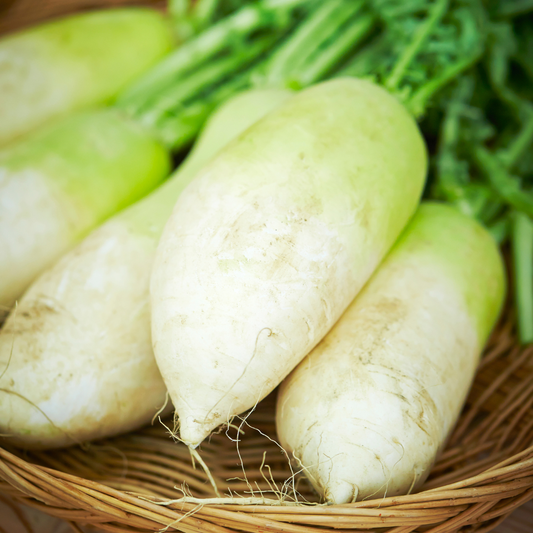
(67, 64)
(61, 181)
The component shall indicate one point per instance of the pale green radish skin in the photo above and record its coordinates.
(82, 351)
(271, 242)
(60, 182)
(68, 64)
(369, 409)
(228, 122)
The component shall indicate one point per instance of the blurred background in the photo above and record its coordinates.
(18, 14)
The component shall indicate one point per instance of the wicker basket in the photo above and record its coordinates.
(144, 482)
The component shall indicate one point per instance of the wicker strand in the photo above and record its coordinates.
(143, 482)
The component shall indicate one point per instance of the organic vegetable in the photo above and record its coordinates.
(58, 183)
(74, 62)
(367, 411)
(272, 240)
(172, 100)
(71, 175)
(76, 360)
(418, 48)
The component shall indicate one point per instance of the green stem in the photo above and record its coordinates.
(190, 55)
(499, 63)
(194, 52)
(450, 126)
(418, 102)
(522, 246)
(205, 12)
(180, 128)
(308, 37)
(329, 34)
(499, 229)
(327, 59)
(491, 209)
(179, 131)
(502, 182)
(189, 18)
(421, 35)
(496, 168)
(364, 61)
(522, 142)
(479, 202)
(210, 75)
(513, 8)
(452, 178)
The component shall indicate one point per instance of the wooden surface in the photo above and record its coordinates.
(521, 521)
(18, 14)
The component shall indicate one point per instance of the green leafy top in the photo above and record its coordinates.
(422, 46)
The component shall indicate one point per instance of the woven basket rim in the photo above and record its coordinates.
(490, 495)
(480, 500)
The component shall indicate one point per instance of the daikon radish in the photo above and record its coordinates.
(272, 241)
(368, 410)
(70, 63)
(60, 182)
(76, 360)
(50, 176)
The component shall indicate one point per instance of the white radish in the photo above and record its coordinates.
(368, 410)
(76, 360)
(75, 62)
(271, 242)
(62, 181)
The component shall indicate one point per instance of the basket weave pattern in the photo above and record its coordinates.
(144, 481)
